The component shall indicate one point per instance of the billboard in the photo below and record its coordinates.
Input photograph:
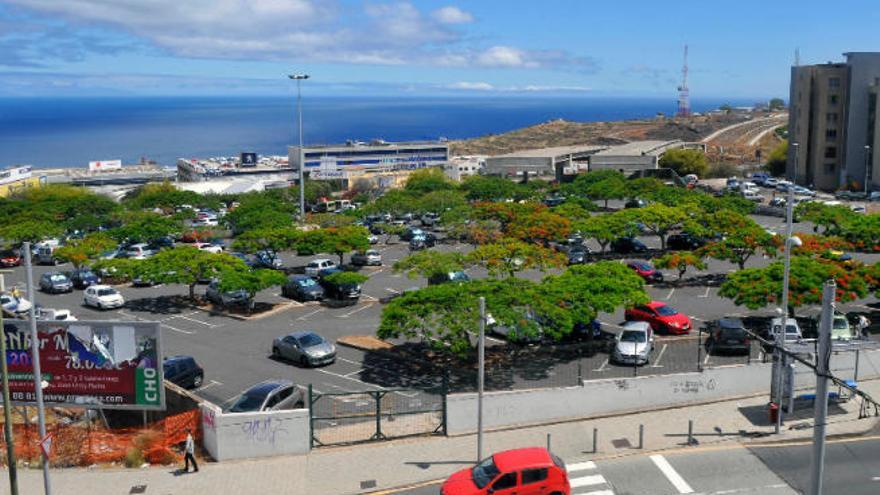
(105, 165)
(248, 159)
(106, 364)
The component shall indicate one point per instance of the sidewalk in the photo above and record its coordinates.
(342, 470)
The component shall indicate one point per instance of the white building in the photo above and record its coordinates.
(460, 167)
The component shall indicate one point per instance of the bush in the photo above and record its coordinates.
(721, 171)
(134, 458)
(685, 162)
(347, 278)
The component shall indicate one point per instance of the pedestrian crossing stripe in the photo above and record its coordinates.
(595, 479)
(590, 480)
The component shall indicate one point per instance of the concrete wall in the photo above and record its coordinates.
(613, 396)
(250, 435)
(627, 164)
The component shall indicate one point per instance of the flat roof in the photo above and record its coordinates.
(554, 151)
(637, 148)
(367, 146)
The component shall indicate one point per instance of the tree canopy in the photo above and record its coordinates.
(685, 161)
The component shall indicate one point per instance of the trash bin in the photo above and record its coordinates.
(773, 409)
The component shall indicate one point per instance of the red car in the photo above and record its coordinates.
(531, 471)
(10, 258)
(646, 271)
(663, 318)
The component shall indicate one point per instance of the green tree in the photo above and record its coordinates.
(165, 196)
(325, 220)
(493, 188)
(270, 240)
(605, 228)
(776, 104)
(739, 247)
(685, 161)
(347, 278)
(186, 265)
(428, 263)
(601, 185)
(778, 158)
(346, 239)
(269, 209)
(145, 227)
(316, 189)
(680, 261)
(80, 251)
(29, 231)
(428, 180)
(834, 219)
(509, 256)
(658, 219)
(236, 278)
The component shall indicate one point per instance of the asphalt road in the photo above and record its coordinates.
(235, 354)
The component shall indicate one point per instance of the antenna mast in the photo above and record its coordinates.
(684, 98)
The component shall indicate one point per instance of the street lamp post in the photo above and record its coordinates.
(299, 78)
(867, 168)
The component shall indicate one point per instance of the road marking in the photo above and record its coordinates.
(369, 297)
(303, 317)
(187, 332)
(659, 356)
(707, 292)
(604, 364)
(581, 466)
(595, 479)
(671, 474)
(697, 318)
(706, 361)
(213, 383)
(671, 292)
(380, 270)
(357, 310)
(212, 325)
(600, 492)
(393, 291)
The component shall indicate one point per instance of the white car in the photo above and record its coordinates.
(792, 330)
(771, 182)
(139, 251)
(211, 248)
(315, 266)
(55, 314)
(13, 305)
(634, 344)
(103, 297)
(752, 195)
(205, 222)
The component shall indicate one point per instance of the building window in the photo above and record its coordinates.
(833, 82)
(831, 152)
(832, 100)
(831, 134)
(829, 168)
(831, 117)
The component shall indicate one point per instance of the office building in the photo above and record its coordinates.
(832, 114)
(355, 158)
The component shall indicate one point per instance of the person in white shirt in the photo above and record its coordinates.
(190, 450)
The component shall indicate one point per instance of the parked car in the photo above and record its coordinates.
(411, 232)
(760, 178)
(443, 278)
(46, 255)
(103, 297)
(662, 318)
(249, 260)
(752, 195)
(317, 265)
(183, 371)
(268, 259)
(140, 251)
(591, 331)
(646, 271)
(305, 348)
(83, 278)
(430, 219)
(164, 242)
(373, 239)
(302, 288)
(370, 257)
(684, 241)
(577, 255)
(14, 305)
(841, 329)
(635, 203)
(515, 333)
(771, 182)
(778, 202)
(422, 241)
(522, 471)
(627, 245)
(217, 296)
(270, 395)
(634, 344)
(727, 335)
(553, 201)
(209, 247)
(51, 314)
(803, 191)
(10, 258)
(792, 332)
(339, 292)
(55, 283)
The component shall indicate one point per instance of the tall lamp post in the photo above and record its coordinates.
(299, 78)
(867, 167)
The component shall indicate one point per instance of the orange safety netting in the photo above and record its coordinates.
(83, 445)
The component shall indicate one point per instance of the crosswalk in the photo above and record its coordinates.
(584, 480)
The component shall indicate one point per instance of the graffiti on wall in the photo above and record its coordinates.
(264, 430)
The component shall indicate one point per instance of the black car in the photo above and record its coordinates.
(249, 260)
(55, 283)
(728, 335)
(183, 371)
(425, 240)
(410, 233)
(591, 332)
(553, 201)
(635, 203)
(339, 292)
(684, 242)
(83, 278)
(577, 255)
(302, 288)
(627, 245)
(161, 243)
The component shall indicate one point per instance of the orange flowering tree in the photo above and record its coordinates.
(740, 245)
(509, 256)
(681, 261)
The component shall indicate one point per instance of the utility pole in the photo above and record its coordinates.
(35, 359)
(867, 168)
(820, 407)
(481, 357)
(7, 406)
(780, 335)
(299, 78)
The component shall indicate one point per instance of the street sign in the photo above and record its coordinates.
(46, 444)
(106, 364)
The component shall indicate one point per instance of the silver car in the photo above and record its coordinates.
(634, 344)
(270, 395)
(306, 348)
(371, 257)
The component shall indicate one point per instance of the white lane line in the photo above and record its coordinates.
(187, 332)
(369, 297)
(380, 270)
(596, 479)
(393, 291)
(213, 383)
(671, 474)
(706, 294)
(495, 339)
(212, 325)
(604, 364)
(659, 356)
(358, 310)
(599, 492)
(671, 292)
(581, 466)
(337, 375)
(305, 316)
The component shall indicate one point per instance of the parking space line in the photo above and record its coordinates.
(337, 375)
(659, 356)
(393, 291)
(604, 364)
(187, 332)
(357, 310)
(380, 270)
(671, 292)
(495, 339)
(369, 297)
(303, 317)
(707, 293)
(213, 383)
(595, 479)
(581, 466)
(671, 474)
(187, 318)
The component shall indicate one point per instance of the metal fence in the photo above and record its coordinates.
(373, 415)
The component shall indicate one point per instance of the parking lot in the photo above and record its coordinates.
(235, 353)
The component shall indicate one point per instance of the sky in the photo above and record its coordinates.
(633, 48)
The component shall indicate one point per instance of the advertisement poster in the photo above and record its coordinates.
(99, 166)
(106, 364)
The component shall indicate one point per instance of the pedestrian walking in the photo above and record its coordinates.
(16, 293)
(862, 323)
(190, 449)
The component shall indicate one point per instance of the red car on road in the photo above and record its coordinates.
(646, 271)
(531, 471)
(9, 259)
(663, 318)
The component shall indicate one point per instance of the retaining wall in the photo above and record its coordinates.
(614, 396)
(249, 435)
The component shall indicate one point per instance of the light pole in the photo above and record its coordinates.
(7, 406)
(481, 358)
(299, 78)
(792, 175)
(867, 167)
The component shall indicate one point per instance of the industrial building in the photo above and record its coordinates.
(832, 115)
(460, 167)
(569, 160)
(357, 159)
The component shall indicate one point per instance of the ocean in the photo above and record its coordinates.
(69, 132)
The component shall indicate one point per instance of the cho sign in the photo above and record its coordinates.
(106, 364)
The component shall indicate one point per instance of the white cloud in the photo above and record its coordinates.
(505, 56)
(479, 86)
(452, 15)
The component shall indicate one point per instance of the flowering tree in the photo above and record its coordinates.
(681, 261)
